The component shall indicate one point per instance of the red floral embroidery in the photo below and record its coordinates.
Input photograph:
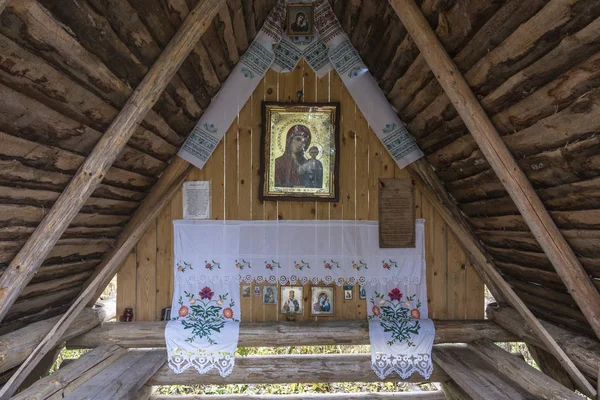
(376, 311)
(206, 293)
(183, 311)
(415, 313)
(395, 294)
(228, 313)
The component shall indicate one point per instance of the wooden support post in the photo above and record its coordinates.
(95, 167)
(71, 375)
(422, 172)
(160, 194)
(516, 183)
(502, 162)
(584, 351)
(90, 174)
(453, 392)
(16, 346)
(517, 370)
(273, 334)
(550, 366)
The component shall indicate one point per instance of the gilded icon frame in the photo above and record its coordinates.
(291, 21)
(299, 154)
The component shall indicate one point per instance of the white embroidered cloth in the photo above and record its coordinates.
(205, 323)
(213, 257)
(294, 252)
(400, 333)
(329, 48)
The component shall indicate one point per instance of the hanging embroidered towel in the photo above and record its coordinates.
(204, 329)
(401, 335)
(328, 48)
(213, 257)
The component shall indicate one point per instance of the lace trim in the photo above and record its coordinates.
(201, 362)
(403, 364)
(303, 280)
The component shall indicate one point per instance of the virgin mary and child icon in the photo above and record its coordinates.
(293, 168)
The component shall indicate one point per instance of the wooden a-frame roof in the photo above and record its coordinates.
(68, 67)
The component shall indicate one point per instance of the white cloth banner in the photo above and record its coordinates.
(213, 257)
(294, 252)
(328, 48)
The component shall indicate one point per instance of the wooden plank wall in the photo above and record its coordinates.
(145, 281)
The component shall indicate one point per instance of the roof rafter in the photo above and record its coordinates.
(515, 182)
(33, 253)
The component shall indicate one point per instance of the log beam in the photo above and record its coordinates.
(517, 370)
(89, 176)
(73, 374)
(93, 170)
(3, 4)
(16, 346)
(313, 368)
(502, 162)
(584, 351)
(273, 334)
(160, 194)
(513, 178)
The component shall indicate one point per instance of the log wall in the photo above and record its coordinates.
(145, 281)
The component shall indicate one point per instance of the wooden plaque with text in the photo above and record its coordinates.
(396, 213)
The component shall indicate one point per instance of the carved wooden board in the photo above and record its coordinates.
(396, 213)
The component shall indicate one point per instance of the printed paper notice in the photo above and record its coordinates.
(196, 200)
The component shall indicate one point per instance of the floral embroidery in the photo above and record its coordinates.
(395, 294)
(353, 73)
(242, 264)
(183, 311)
(247, 73)
(359, 265)
(182, 268)
(389, 264)
(331, 265)
(212, 266)
(301, 265)
(395, 318)
(205, 293)
(210, 127)
(389, 127)
(205, 316)
(272, 265)
(228, 313)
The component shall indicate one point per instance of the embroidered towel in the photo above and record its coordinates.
(328, 48)
(213, 257)
(294, 252)
(400, 333)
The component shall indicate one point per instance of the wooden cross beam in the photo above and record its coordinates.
(95, 167)
(515, 182)
(89, 176)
